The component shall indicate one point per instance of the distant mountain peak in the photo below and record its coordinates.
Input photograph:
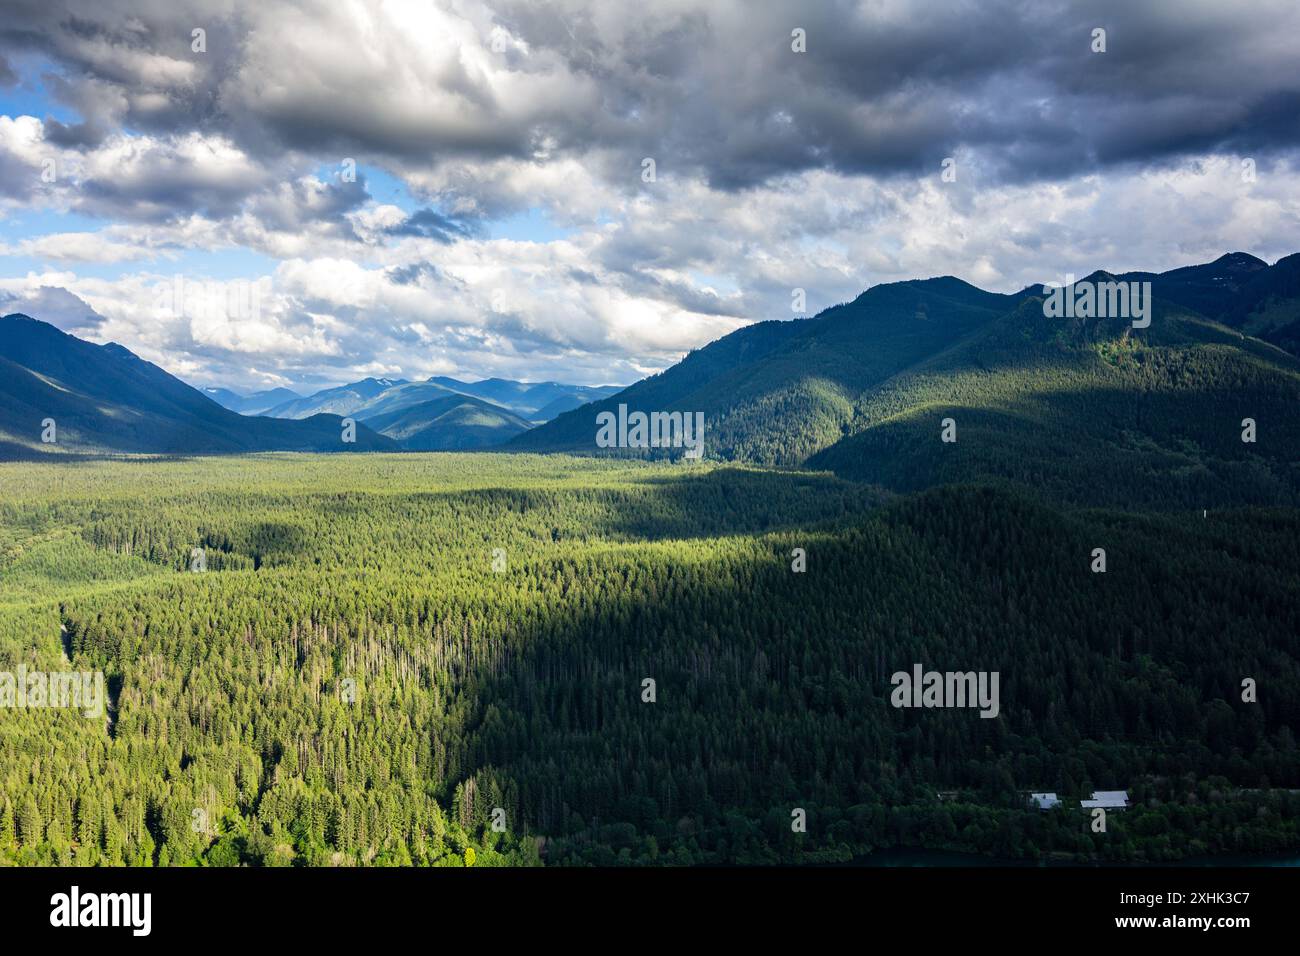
(1240, 258)
(24, 319)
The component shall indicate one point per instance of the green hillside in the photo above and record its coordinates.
(1085, 412)
(776, 392)
(105, 399)
(1089, 412)
(1269, 307)
(453, 423)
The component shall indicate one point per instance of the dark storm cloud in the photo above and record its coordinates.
(892, 89)
(883, 89)
(165, 187)
(18, 178)
(101, 104)
(72, 135)
(128, 62)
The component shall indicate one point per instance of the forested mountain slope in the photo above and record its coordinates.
(456, 422)
(1084, 411)
(1241, 291)
(776, 392)
(1270, 305)
(1089, 411)
(103, 398)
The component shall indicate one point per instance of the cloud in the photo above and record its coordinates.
(77, 247)
(155, 179)
(718, 92)
(23, 158)
(775, 169)
(51, 304)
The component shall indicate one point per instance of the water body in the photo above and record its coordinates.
(947, 858)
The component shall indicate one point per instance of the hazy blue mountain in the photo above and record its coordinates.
(533, 401)
(402, 396)
(453, 422)
(566, 403)
(223, 397)
(256, 403)
(529, 398)
(343, 400)
(502, 391)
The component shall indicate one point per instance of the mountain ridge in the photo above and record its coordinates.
(106, 399)
(451, 423)
(814, 392)
(833, 391)
(372, 397)
(255, 403)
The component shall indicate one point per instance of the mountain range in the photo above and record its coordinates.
(439, 414)
(1090, 410)
(60, 394)
(533, 401)
(258, 403)
(451, 423)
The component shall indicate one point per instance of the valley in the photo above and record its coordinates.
(498, 642)
(354, 680)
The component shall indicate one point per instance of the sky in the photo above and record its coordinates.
(306, 193)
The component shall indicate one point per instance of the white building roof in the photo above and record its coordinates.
(1045, 801)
